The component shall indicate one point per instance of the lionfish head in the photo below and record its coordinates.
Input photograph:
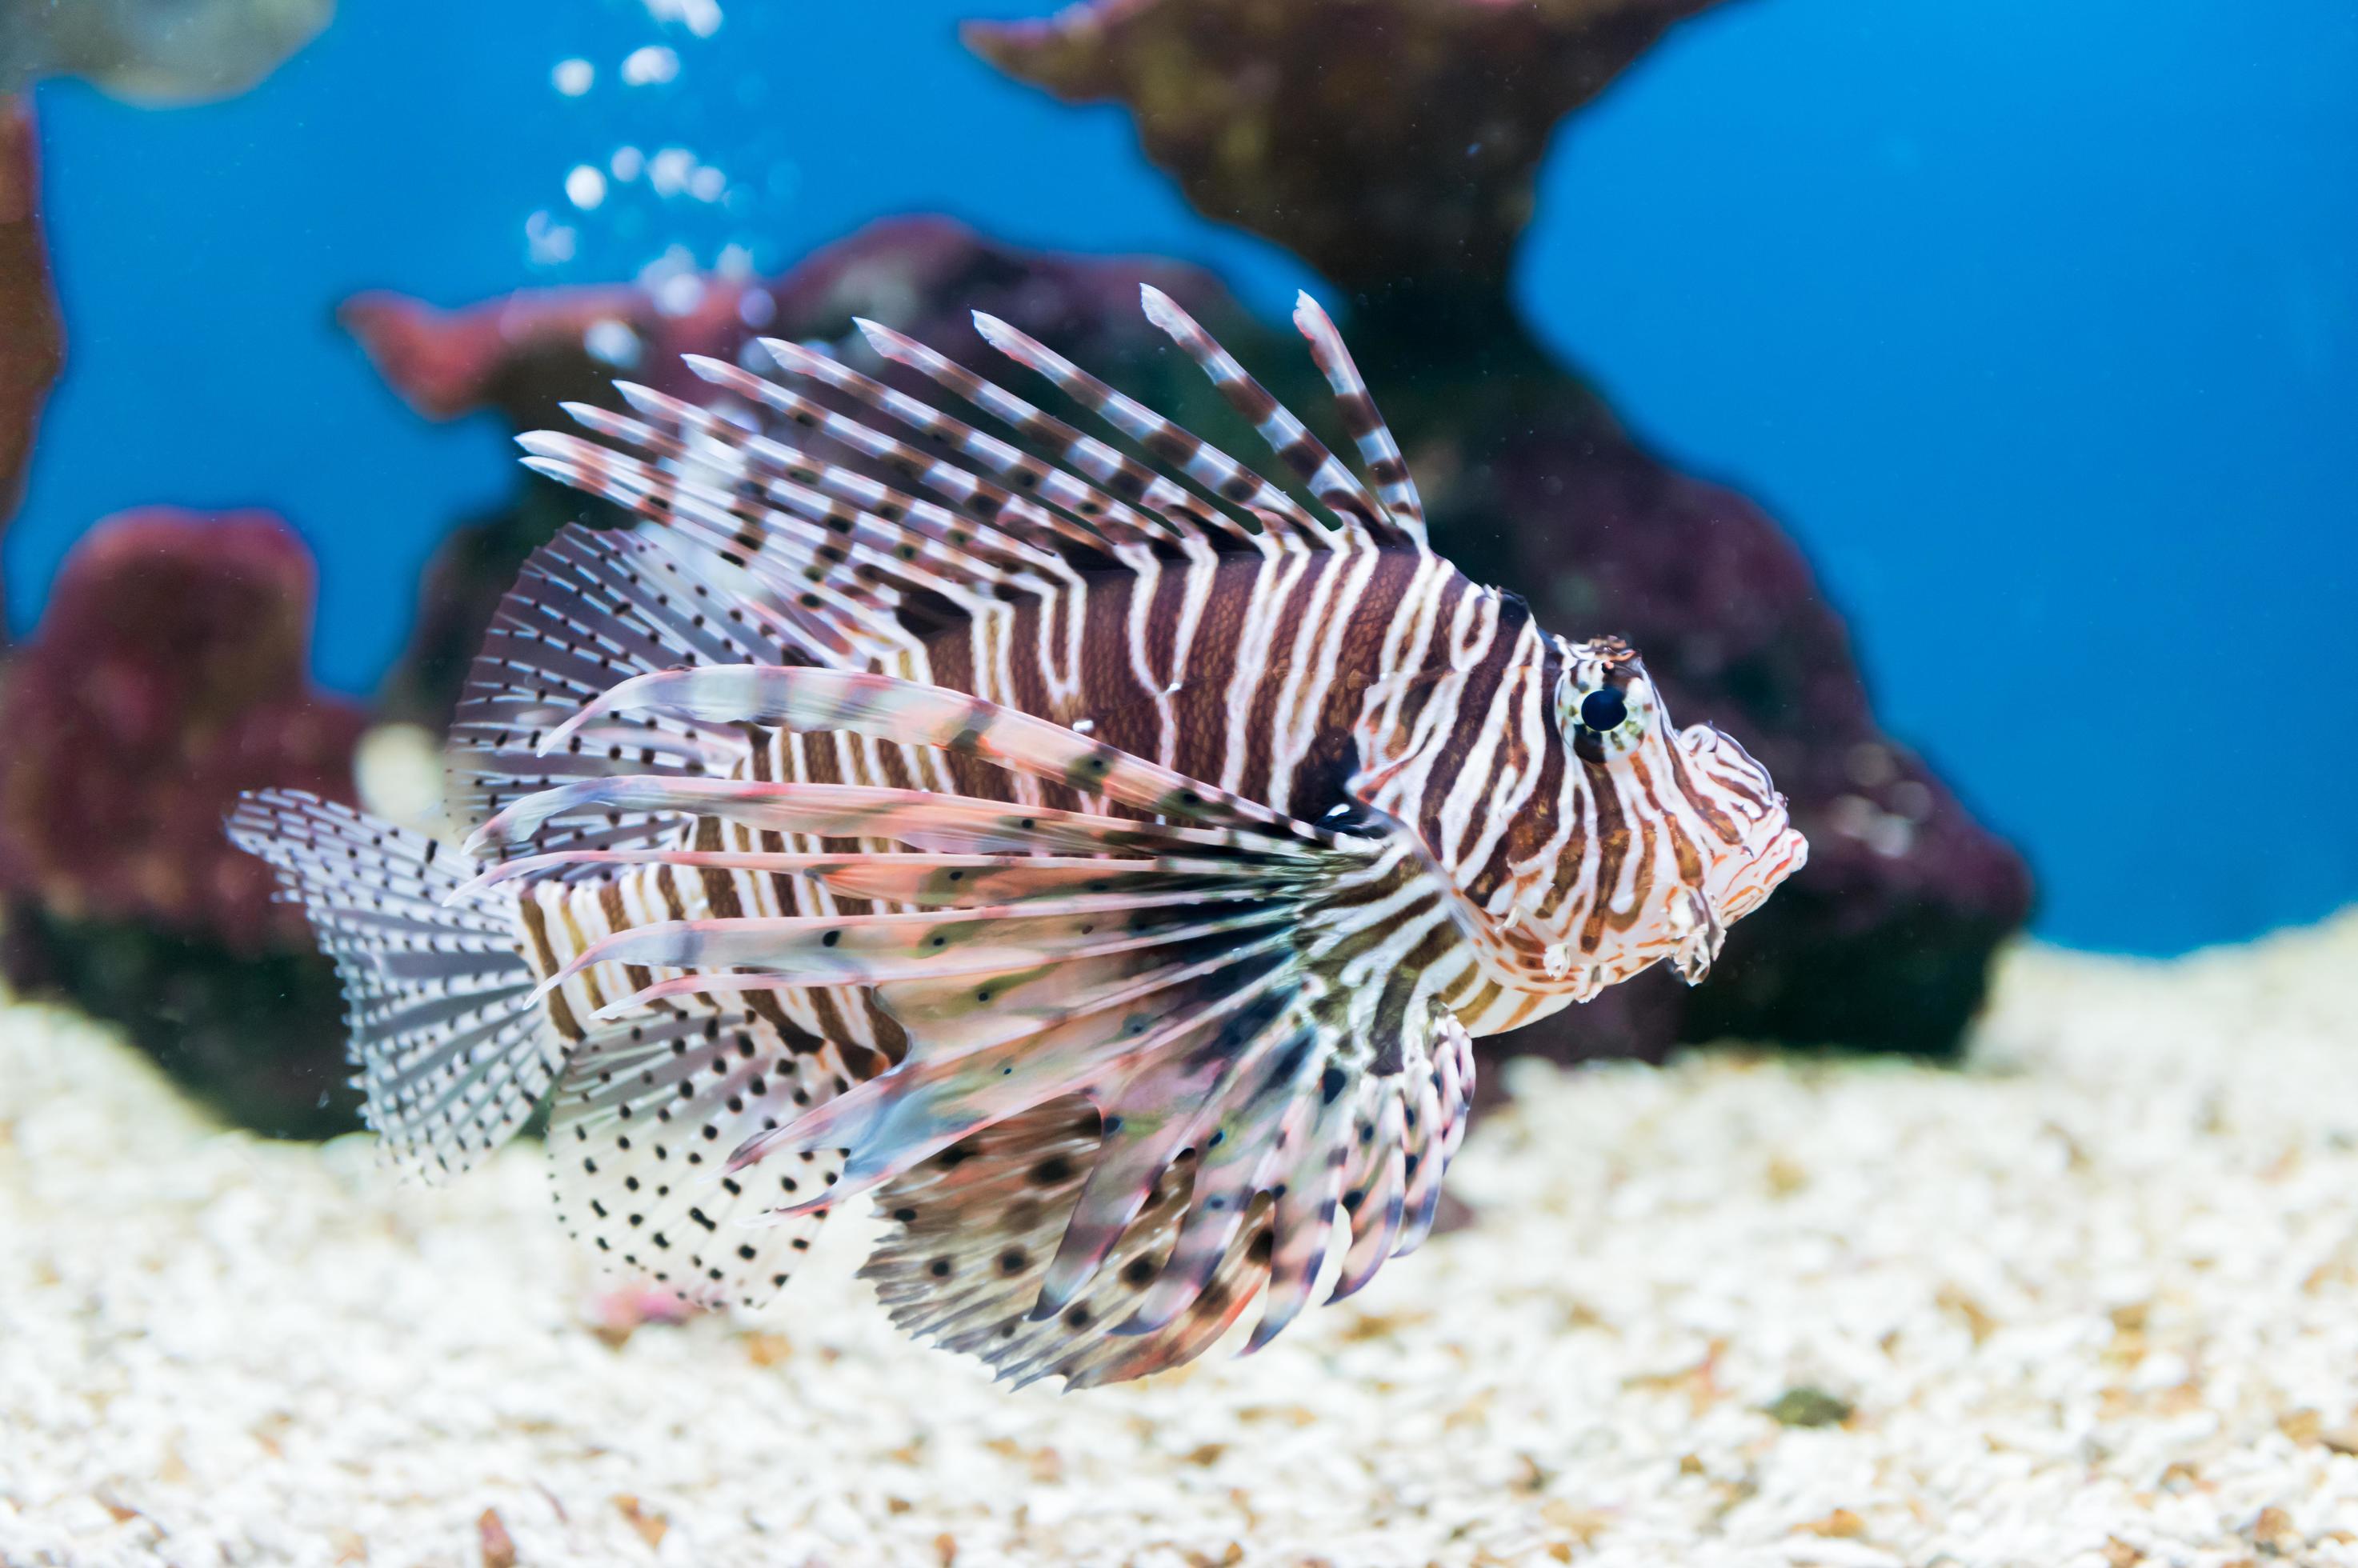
(1688, 837)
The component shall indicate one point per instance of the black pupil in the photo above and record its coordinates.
(1603, 709)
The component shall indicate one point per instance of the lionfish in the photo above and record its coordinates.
(1103, 855)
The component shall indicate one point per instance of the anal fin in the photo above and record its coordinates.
(639, 1141)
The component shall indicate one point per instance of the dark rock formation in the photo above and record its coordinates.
(31, 344)
(168, 674)
(1376, 139)
(1393, 144)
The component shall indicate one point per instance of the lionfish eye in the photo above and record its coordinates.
(1603, 709)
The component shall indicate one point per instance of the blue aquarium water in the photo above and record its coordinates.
(2038, 327)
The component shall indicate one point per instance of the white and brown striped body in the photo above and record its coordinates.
(1320, 682)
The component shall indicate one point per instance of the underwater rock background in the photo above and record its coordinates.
(1391, 143)
(1260, 112)
(168, 674)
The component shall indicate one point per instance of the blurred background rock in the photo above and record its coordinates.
(1389, 153)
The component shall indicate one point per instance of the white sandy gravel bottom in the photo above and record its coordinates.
(2092, 1302)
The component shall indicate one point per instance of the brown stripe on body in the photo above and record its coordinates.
(1288, 616)
(1420, 664)
(1120, 707)
(1200, 706)
(638, 977)
(761, 754)
(721, 900)
(1536, 820)
(1322, 771)
(567, 909)
(546, 963)
(1478, 689)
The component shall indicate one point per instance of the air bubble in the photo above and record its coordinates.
(701, 17)
(585, 187)
(669, 169)
(611, 342)
(547, 242)
(650, 66)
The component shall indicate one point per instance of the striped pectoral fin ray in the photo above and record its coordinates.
(934, 1098)
(872, 949)
(1375, 1192)
(961, 1012)
(1170, 1112)
(1224, 1129)
(972, 1230)
(1228, 1173)
(934, 882)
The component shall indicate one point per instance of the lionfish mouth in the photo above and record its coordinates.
(1739, 886)
(1736, 885)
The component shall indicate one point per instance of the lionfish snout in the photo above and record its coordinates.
(1756, 845)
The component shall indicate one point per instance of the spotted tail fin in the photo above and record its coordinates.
(453, 1054)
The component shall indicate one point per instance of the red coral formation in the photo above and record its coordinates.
(448, 363)
(31, 344)
(1377, 139)
(527, 352)
(168, 674)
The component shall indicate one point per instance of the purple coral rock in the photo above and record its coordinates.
(168, 675)
(1884, 939)
(1377, 139)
